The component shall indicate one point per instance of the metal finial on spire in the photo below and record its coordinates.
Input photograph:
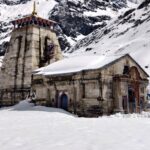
(34, 9)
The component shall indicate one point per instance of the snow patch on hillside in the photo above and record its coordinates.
(133, 3)
(100, 12)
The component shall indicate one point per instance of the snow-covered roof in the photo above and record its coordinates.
(77, 64)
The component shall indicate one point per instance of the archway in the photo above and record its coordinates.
(64, 101)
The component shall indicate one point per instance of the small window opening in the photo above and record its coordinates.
(126, 70)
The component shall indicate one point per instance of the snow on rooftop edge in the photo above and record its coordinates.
(77, 64)
(1, 60)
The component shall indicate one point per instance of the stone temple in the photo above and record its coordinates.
(92, 85)
(33, 44)
(86, 85)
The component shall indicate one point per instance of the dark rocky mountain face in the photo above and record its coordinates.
(75, 18)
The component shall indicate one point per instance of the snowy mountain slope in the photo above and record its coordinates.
(130, 33)
(25, 127)
(76, 18)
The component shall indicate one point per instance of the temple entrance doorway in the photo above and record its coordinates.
(64, 101)
(132, 100)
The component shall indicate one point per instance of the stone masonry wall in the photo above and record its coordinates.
(24, 54)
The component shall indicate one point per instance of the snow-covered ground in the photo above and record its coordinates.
(25, 127)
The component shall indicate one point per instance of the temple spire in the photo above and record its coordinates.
(34, 9)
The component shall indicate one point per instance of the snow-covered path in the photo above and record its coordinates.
(25, 127)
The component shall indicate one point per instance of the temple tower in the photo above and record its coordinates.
(33, 44)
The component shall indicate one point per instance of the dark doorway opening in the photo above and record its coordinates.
(132, 100)
(125, 104)
(64, 101)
